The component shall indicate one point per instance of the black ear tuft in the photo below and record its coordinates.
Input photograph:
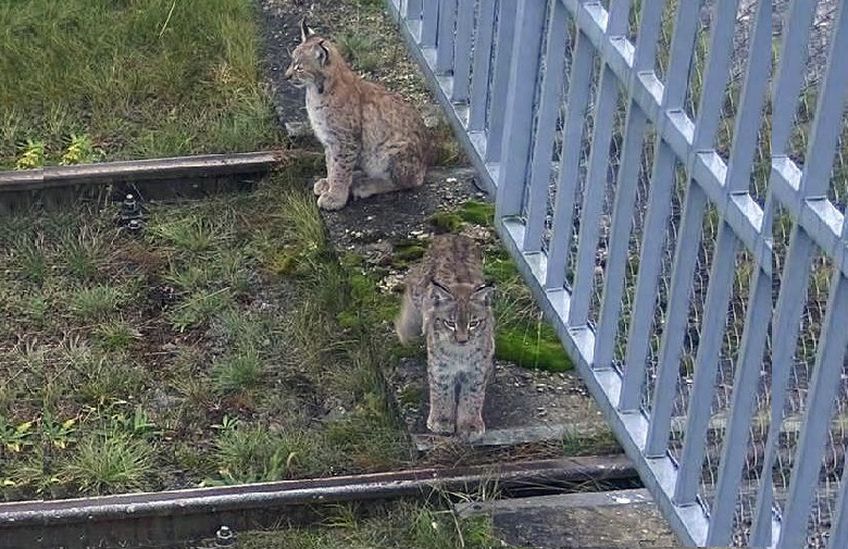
(322, 53)
(484, 293)
(305, 31)
(439, 292)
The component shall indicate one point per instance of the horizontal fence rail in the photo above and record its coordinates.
(671, 178)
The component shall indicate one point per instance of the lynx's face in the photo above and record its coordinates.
(460, 313)
(308, 59)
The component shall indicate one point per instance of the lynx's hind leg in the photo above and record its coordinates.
(368, 186)
(408, 322)
(407, 171)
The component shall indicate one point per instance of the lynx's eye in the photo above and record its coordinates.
(450, 324)
(473, 324)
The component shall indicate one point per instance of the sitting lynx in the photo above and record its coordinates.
(447, 300)
(360, 124)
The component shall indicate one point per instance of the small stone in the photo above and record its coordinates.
(451, 180)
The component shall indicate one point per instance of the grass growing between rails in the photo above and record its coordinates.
(385, 526)
(85, 81)
(187, 351)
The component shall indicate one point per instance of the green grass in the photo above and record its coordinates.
(359, 47)
(383, 526)
(90, 303)
(111, 462)
(255, 454)
(116, 335)
(237, 372)
(85, 81)
(190, 349)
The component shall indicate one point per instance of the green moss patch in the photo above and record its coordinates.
(540, 349)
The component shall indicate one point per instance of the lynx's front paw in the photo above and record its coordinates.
(320, 186)
(441, 425)
(330, 200)
(471, 430)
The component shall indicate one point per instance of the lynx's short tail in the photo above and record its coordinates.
(408, 322)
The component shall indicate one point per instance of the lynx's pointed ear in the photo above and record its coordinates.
(439, 293)
(484, 293)
(322, 54)
(305, 31)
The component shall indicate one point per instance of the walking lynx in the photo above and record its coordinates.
(361, 125)
(448, 301)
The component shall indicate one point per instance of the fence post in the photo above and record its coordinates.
(579, 87)
(430, 23)
(462, 51)
(758, 317)
(413, 10)
(446, 37)
(518, 125)
(656, 217)
(549, 105)
(482, 66)
(498, 93)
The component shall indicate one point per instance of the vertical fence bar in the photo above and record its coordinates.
(482, 62)
(650, 263)
(746, 379)
(758, 316)
(593, 197)
(827, 124)
(462, 50)
(619, 238)
(598, 176)
(540, 174)
(749, 117)
(677, 312)
(817, 417)
(788, 80)
(446, 36)
(789, 75)
(832, 346)
(413, 10)
(518, 126)
(659, 209)
(430, 23)
(715, 74)
(503, 57)
(785, 328)
(839, 531)
(706, 363)
(709, 112)
(625, 198)
(579, 86)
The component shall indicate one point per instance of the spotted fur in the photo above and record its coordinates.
(373, 141)
(448, 301)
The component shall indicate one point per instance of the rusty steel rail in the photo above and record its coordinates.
(172, 517)
(183, 176)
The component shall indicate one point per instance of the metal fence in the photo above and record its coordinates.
(669, 176)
